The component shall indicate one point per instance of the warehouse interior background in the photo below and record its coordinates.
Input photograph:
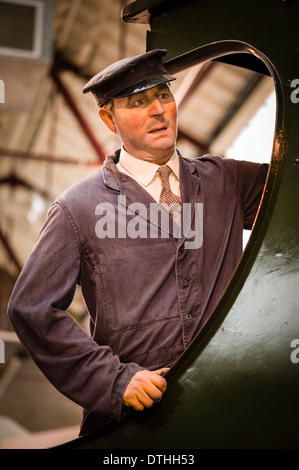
(51, 136)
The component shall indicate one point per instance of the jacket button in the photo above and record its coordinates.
(181, 249)
(188, 316)
(185, 281)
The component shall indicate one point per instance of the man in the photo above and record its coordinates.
(149, 281)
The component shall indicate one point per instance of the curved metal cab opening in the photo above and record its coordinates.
(225, 51)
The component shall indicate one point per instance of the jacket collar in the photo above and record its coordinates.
(111, 174)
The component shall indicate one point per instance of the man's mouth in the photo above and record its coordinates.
(156, 131)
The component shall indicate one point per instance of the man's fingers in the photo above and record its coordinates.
(155, 392)
(145, 388)
(158, 380)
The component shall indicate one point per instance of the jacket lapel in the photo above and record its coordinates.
(189, 185)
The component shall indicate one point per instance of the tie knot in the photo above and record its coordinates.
(164, 172)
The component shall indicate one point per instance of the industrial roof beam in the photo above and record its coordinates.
(4, 153)
(55, 74)
(201, 146)
(243, 95)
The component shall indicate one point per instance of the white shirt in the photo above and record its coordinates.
(145, 173)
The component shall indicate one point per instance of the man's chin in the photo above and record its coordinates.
(163, 146)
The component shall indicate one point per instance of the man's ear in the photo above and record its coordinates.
(107, 117)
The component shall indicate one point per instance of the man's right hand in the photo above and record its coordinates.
(145, 388)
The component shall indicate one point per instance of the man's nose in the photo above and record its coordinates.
(156, 108)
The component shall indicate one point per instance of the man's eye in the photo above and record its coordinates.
(165, 96)
(139, 102)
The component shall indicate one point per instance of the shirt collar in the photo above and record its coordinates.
(145, 171)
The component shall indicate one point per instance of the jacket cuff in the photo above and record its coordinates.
(122, 381)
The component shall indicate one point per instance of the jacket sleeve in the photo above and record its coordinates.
(249, 180)
(89, 374)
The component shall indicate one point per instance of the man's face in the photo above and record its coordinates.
(147, 123)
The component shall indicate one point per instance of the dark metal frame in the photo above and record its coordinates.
(236, 385)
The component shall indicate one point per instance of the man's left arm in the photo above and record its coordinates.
(249, 179)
